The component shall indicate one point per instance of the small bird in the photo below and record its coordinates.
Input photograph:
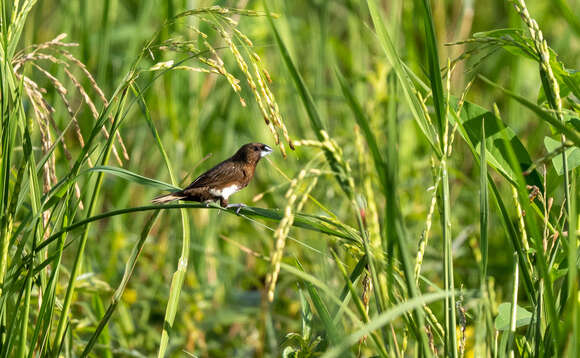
(223, 180)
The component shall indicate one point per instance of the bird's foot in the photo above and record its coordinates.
(238, 207)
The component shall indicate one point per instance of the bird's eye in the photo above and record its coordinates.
(256, 148)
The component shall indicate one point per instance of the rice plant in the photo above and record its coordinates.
(422, 200)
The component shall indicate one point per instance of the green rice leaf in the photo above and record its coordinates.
(134, 177)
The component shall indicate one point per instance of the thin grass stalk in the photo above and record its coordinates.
(441, 104)
(531, 225)
(574, 345)
(7, 140)
(483, 309)
(402, 74)
(359, 304)
(552, 91)
(137, 249)
(35, 203)
(512, 329)
(549, 84)
(117, 295)
(483, 207)
(450, 320)
(434, 70)
(310, 106)
(504, 216)
(50, 292)
(382, 320)
(396, 235)
(176, 284)
(425, 234)
(75, 270)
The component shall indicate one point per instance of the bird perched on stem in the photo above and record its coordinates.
(223, 180)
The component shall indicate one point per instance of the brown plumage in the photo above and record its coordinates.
(223, 180)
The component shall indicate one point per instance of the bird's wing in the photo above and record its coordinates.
(218, 176)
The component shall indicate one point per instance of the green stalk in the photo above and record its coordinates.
(359, 304)
(483, 206)
(90, 209)
(6, 150)
(129, 267)
(35, 203)
(450, 320)
(47, 307)
(574, 346)
(512, 330)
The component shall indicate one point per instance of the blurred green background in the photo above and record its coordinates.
(221, 310)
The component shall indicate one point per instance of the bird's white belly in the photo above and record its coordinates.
(224, 192)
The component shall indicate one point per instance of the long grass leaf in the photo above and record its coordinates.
(409, 90)
(382, 320)
(534, 232)
(322, 310)
(363, 122)
(433, 66)
(570, 133)
(309, 104)
(483, 204)
(134, 177)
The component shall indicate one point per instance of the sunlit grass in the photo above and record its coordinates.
(420, 204)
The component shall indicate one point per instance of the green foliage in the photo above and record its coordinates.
(134, 99)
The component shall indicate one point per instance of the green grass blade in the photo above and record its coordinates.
(574, 317)
(363, 123)
(308, 222)
(130, 176)
(434, 71)
(382, 320)
(329, 293)
(75, 271)
(322, 310)
(309, 104)
(483, 204)
(504, 215)
(129, 268)
(534, 232)
(358, 303)
(570, 133)
(305, 95)
(514, 305)
(408, 89)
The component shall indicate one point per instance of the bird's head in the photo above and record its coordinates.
(252, 152)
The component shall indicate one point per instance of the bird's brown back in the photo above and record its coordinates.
(224, 174)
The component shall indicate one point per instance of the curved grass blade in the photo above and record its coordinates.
(329, 292)
(408, 88)
(544, 115)
(358, 302)
(541, 264)
(383, 319)
(363, 123)
(434, 69)
(308, 101)
(308, 222)
(322, 310)
(504, 215)
(130, 176)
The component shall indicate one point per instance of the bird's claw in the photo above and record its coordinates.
(237, 206)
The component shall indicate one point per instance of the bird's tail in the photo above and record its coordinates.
(168, 197)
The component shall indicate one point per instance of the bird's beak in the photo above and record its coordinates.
(265, 151)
